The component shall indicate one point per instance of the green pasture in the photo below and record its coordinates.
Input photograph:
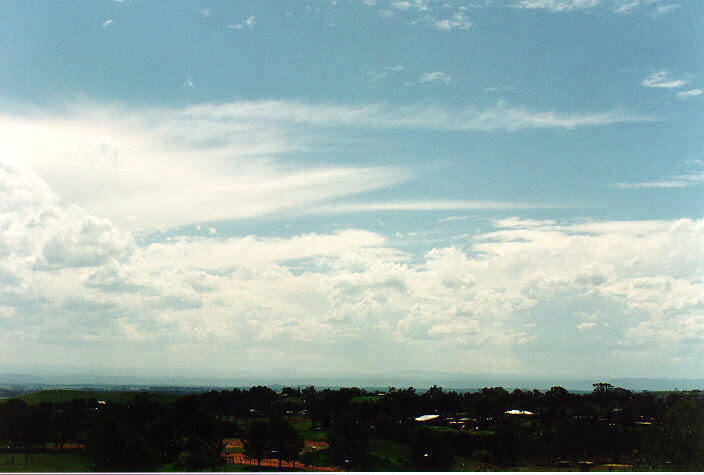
(387, 455)
(320, 457)
(305, 430)
(360, 399)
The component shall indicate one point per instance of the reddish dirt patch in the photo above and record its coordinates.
(67, 446)
(232, 443)
(316, 444)
(243, 459)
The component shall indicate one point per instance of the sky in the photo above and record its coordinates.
(234, 187)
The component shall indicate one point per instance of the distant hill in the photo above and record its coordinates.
(136, 379)
(65, 395)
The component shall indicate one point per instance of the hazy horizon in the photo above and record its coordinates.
(505, 187)
(62, 377)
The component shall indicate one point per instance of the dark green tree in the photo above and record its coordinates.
(256, 441)
(285, 443)
(199, 455)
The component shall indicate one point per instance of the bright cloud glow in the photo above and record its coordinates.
(135, 164)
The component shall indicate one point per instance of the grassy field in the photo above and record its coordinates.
(65, 395)
(359, 399)
(317, 457)
(45, 462)
(386, 455)
(307, 433)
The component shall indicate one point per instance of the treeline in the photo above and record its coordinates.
(608, 425)
(139, 436)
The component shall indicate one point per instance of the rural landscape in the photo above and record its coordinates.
(351, 429)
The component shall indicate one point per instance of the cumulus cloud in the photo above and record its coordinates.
(349, 291)
(457, 21)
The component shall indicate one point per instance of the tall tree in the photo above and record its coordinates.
(256, 441)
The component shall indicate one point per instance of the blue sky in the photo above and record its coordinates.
(509, 186)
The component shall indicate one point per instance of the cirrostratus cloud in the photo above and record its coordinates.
(151, 168)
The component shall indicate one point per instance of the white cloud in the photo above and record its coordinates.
(556, 5)
(248, 23)
(664, 9)
(458, 21)
(132, 164)
(662, 79)
(499, 88)
(205, 12)
(106, 23)
(430, 205)
(419, 5)
(377, 77)
(501, 116)
(626, 6)
(616, 6)
(454, 218)
(676, 181)
(435, 76)
(349, 291)
(682, 95)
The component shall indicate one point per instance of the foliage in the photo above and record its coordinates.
(366, 430)
(198, 454)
